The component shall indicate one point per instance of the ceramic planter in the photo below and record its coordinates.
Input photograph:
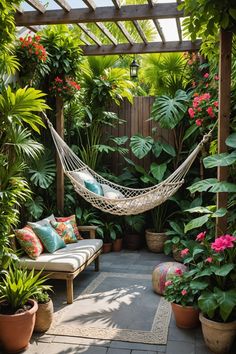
(155, 240)
(185, 316)
(117, 245)
(44, 317)
(106, 248)
(218, 336)
(16, 330)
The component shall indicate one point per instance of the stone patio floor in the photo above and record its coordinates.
(138, 262)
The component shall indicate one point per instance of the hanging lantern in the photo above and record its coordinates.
(134, 69)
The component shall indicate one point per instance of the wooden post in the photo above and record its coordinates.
(223, 118)
(60, 173)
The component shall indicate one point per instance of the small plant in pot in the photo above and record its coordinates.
(17, 307)
(183, 299)
(212, 263)
(108, 231)
(133, 226)
(156, 236)
(44, 314)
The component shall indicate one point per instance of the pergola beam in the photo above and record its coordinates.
(159, 30)
(117, 4)
(64, 4)
(100, 14)
(91, 4)
(89, 34)
(107, 33)
(36, 5)
(154, 47)
(140, 31)
(125, 32)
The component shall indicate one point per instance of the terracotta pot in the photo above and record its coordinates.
(155, 240)
(106, 248)
(133, 241)
(44, 317)
(117, 245)
(185, 316)
(16, 330)
(218, 336)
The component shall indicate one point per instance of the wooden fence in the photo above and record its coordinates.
(136, 117)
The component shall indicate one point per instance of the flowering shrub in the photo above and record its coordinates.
(179, 291)
(64, 87)
(204, 109)
(30, 49)
(212, 266)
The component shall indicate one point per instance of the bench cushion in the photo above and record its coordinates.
(67, 259)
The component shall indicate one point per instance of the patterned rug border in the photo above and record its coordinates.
(157, 335)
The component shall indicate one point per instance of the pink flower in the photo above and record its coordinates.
(184, 252)
(216, 77)
(201, 236)
(168, 282)
(209, 260)
(184, 292)
(198, 122)
(206, 76)
(178, 271)
(210, 111)
(215, 103)
(223, 242)
(191, 112)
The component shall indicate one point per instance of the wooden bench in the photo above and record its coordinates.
(68, 262)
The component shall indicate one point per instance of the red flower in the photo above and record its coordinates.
(201, 236)
(216, 77)
(178, 271)
(191, 112)
(184, 252)
(199, 122)
(210, 111)
(206, 76)
(215, 103)
(209, 260)
(223, 242)
(184, 292)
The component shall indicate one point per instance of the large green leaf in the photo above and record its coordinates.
(219, 213)
(141, 145)
(158, 171)
(43, 172)
(197, 222)
(190, 131)
(231, 140)
(199, 209)
(157, 148)
(169, 111)
(207, 303)
(223, 159)
(223, 187)
(169, 149)
(227, 301)
(203, 185)
(222, 270)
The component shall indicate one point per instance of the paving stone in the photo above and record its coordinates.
(118, 351)
(134, 346)
(45, 338)
(202, 349)
(91, 350)
(142, 352)
(176, 347)
(37, 347)
(81, 341)
(185, 335)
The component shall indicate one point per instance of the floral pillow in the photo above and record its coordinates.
(65, 230)
(29, 242)
(72, 220)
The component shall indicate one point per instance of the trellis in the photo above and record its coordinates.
(119, 14)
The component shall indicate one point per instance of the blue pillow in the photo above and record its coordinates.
(49, 237)
(94, 187)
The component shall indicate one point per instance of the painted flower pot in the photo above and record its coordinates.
(16, 330)
(218, 336)
(185, 316)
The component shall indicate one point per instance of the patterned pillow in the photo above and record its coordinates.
(42, 222)
(72, 220)
(29, 242)
(65, 230)
(49, 237)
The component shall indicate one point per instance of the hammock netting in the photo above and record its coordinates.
(133, 201)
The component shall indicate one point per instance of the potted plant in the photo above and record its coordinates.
(108, 231)
(214, 274)
(156, 236)
(183, 299)
(173, 244)
(44, 314)
(134, 225)
(17, 307)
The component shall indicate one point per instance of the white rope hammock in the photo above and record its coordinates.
(129, 201)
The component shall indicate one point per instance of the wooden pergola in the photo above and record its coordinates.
(119, 14)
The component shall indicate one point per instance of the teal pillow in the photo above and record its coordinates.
(49, 237)
(94, 187)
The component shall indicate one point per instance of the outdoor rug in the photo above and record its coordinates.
(116, 306)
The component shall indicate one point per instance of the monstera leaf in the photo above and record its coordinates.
(169, 111)
(141, 145)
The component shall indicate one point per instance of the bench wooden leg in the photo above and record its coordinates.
(97, 265)
(69, 291)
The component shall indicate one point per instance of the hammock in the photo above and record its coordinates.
(129, 201)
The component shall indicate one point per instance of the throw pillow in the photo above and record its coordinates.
(49, 237)
(65, 230)
(94, 187)
(45, 221)
(82, 176)
(29, 242)
(110, 192)
(72, 220)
